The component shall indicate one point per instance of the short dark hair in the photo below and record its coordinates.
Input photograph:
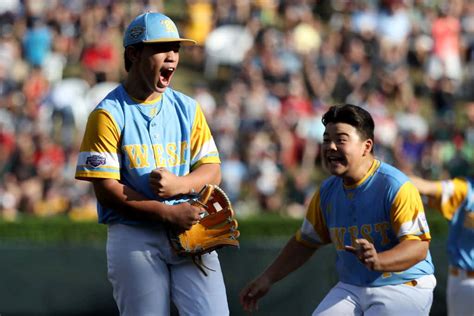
(352, 115)
(128, 62)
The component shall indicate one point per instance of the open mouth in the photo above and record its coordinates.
(334, 160)
(165, 75)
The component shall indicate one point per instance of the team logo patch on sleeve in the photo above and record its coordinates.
(95, 161)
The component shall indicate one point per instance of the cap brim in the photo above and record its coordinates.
(185, 41)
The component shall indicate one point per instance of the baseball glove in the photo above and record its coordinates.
(217, 227)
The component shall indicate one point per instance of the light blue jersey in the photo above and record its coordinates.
(126, 139)
(384, 208)
(455, 201)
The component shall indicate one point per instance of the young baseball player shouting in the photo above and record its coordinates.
(454, 198)
(146, 145)
(374, 216)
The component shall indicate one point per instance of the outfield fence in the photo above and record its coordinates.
(70, 278)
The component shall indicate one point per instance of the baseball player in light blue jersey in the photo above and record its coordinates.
(145, 147)
(374, 217)
(454, 198)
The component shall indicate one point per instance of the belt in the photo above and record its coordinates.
(411, 283)
(460, 272)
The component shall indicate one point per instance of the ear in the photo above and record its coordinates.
(369, 144)
(132, 53)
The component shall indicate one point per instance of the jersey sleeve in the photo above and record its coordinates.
(99, 152)
(203, 147)
(408, 215)
(313, 231)
(451, 194)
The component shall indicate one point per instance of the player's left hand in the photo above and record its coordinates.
(164, 183)
(250, 295)
(365, 251)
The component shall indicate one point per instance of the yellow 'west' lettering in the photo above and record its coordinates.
(337, 237)
(172, 156)
(354, 232)
(365, 231)
(182, 153)
(138, 155)
(158, 152)
(382, 228)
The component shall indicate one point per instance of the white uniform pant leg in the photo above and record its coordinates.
(139, 277)
(196, 294)
(346, 299)
(460, 294)
(343, 299)
(402, 299)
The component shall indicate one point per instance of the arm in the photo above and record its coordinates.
(426, 187)
(113, 194)
(401, 257)
(167, 184)
(293, 256)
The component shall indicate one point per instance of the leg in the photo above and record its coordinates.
(342, 299)
(197, 294)
(140, 279)
(402, 299)
(459, 295)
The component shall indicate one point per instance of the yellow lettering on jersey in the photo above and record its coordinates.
(382, 228)
(172, 156)
(182, 153)
(365, 231)
(138, 155)
(337, 237)
(354, 232)
(386, 275)
(158, 152)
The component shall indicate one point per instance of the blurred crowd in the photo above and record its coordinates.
(268, 70)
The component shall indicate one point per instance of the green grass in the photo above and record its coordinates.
(62, 230)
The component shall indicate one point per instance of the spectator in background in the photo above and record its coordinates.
(380, 55)
(37, 42)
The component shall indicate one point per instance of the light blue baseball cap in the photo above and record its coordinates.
(153, 27)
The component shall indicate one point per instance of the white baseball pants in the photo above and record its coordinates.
(146, 274)
(389, 300)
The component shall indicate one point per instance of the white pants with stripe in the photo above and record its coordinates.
(146, 274)
(389, 300)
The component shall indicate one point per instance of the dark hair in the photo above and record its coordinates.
(352, 115)
(127, 62)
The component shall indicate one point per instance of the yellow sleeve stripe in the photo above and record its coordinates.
(208, 148)
(407, 213)
(205, 161)
(424, 237)
(454, 192)
(87, 175)
(202, 142)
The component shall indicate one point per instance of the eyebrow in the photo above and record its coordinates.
(338, 134)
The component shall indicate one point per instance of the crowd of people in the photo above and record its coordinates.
(269, 70)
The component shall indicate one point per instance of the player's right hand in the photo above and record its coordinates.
(184, 215)
(256, 289)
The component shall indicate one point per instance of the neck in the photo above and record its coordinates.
(136, 89)
(360, 172)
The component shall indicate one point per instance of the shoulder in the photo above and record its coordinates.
(391, 175)
(177, 97)
(113, 104)
(330, 186)
(113, 100)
